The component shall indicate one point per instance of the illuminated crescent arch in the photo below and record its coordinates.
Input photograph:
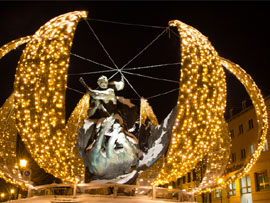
(40, 86)
(8, 133)
(200, 63)
(261, 113)
(201, 105)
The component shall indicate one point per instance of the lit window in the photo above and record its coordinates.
(245, 186)
(265, 147)
(241, 130)
(252, 149)
(262, 181)
(250, 124)
(218, 192)
(232, 133)
(233, 156)
(232, 190)
(243, 153)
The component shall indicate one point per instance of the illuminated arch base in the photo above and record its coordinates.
(200, 127)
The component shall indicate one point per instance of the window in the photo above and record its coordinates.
(245, 185)
(243, 153)
(250, 124)
(241, 130)
(184, 179)
(252, 149)
(188, 177)
(218, 192)
(178, 181)
(232, 190)
(232, 133)
(194, 174)
(233, 156)
(265, 147)
(262, 181)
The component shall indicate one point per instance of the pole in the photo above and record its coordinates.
(115, 188)
(74, 189)
(154, 192)
(29, 191)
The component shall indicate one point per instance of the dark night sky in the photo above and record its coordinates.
(239, 31)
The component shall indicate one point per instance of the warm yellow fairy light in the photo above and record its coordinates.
(8, 132)
(8, 139)
(199, 129)
(146, 111)
(12, 191)
(13, 45)
(3, 195)
(150, 174)
(220, 181)
(261, 113)
(40, 85)
(200, 120)
(216, 160)
(201, 105)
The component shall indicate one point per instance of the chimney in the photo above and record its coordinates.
(244, 104)
(231, 112)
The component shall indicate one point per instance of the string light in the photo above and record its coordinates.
(8, 133)
(13, 45)
(201, 105)
(150, 174)
(40, 85)
(201, 66)
(9, 170)
(146, 111)
(199, 130)
(261, 113)
(216, 161)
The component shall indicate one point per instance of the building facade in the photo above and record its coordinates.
(255, 186)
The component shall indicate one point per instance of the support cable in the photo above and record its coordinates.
(101, 44)
(150, 77)
(97, 63)
(93, 72)
(177, 35)
(113, 75)
(153, 66)
(144, 49)
(75, 90)
(121, 23)
(130, 84)
(161, 94)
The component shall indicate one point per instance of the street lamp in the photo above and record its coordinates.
(26, 173)
(220, 180)
(23, 163)
(2, 196)
(12, 191)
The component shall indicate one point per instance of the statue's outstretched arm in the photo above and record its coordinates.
(98, 94)
(119, 85)
(84, 84)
